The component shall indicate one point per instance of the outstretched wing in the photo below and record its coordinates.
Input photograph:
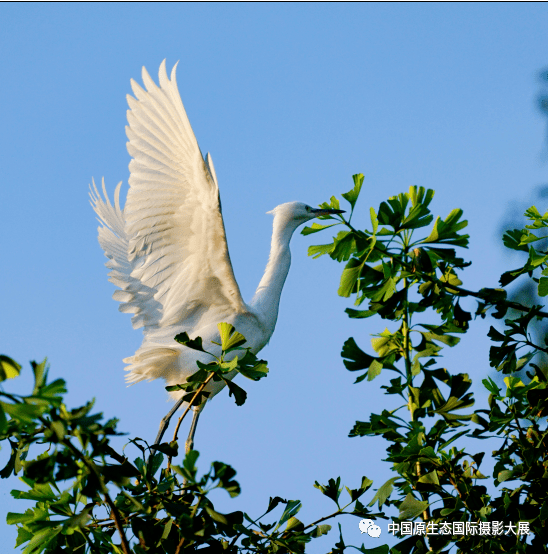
(176, 238)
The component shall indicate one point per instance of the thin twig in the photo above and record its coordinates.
(116, 517)
(520, 428)
(192, 516)
(339, 512)
(114, 512)
(180, 545)
(202, 387)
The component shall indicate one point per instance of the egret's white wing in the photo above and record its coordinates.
(173, 223)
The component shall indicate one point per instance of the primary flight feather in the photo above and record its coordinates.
(167, 247)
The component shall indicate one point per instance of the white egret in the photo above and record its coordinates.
(167, 248)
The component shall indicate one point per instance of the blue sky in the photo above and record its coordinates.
(291, 100)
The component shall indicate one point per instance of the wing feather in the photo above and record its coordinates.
(176, 241)
(167, 248)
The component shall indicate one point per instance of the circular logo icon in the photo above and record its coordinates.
(367, 526)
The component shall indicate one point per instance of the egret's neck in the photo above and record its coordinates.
(267, 296)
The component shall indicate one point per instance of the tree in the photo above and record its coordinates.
(404, 276)
(90, 498)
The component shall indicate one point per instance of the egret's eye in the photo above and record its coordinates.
(308, 208)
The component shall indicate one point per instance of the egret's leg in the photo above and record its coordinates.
(189, 445)
(164, 424)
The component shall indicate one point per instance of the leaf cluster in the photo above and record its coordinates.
(222, 368)
(88, 497)
(406, 267)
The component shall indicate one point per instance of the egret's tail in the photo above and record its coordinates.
(151, 362)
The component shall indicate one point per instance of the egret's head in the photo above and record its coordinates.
(298, 212)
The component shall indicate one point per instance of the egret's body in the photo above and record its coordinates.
(167, 248)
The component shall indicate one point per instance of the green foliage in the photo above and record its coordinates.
(90, 498)
(407, 269)
(220, 368)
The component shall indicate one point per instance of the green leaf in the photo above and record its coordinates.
(430, 478)
(543, 286)
(169, 449)
(26, 413)
(320, 249)
(167, 529)
(316, 227)
(216, 516)
(383, 549)
(40, 540)
(40, 374)
(273, 502)
(419, 215)
(356, 358)
(447, 231)
(349, 277)
(384, 343)
(332, 490)
(23, 536)
(535, 259)
(352, 195)
(356, 493)
(544, 511)
(452, 439)
(410, 508)
(508, 276)
(3, 420)
(230, 365)
(344, 245)
(13, 518)
(256, 372)
(385, 291)
(504, 475)
(230, 338)
(234, 390)
(224, 474)
(294, 524)
(39, 492)
(333, 203)
(512, 240)
(9, 368)
(292, 508)
(374, 220)
(59, 429)
(10, 466)
(384, 492)
(195, 344)
(360, 314)
(392, 213)
(320, 530)
(189, 463)
(339, 547)
(491, 386)
(533, 213)
(374, 370)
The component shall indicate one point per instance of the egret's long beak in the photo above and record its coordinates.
(323, 211)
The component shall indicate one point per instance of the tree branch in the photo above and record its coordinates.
(113, 510)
